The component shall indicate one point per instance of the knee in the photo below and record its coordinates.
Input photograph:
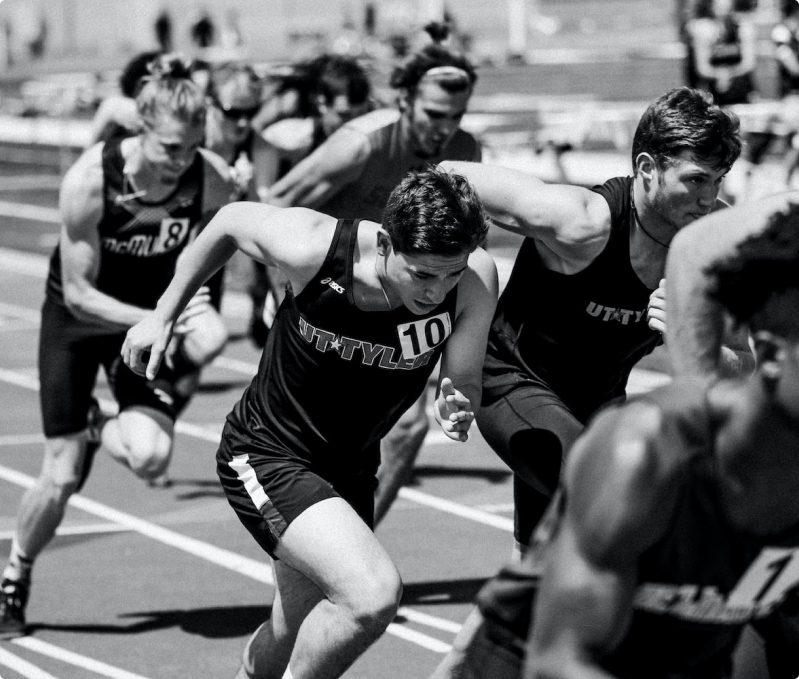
(377, 602)
(149, 459)
(206, 340)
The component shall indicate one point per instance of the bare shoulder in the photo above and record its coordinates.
(82, 187)
(621, 487)
(481, 269)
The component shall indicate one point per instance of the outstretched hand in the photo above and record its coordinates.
(454, 411)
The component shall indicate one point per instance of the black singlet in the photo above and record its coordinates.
(698, 585)
(333, 379)
(579, 334)
(139, 241)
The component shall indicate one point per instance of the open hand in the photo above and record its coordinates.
(454, 411)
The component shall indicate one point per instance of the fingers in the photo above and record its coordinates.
(447, 388)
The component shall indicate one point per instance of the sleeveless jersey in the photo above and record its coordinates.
(389, 160)
(698, 585)
(333, 379)
(579, 334)
(139, 241)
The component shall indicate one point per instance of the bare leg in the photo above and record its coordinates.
(141, 439)
(337, 559)
(398, 452)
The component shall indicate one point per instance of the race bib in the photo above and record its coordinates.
(419, 337)
(173, 233)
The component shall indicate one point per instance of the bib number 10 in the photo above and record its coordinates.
(768, 579)
(419, 337)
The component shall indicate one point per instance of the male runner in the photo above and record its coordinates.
(678, 521)
(352, 174)
(128, 208)
(368, 312)
(585, 300)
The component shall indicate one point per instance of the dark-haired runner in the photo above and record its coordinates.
(586, 300)
(368, 312)
(129, 207)
(352, 174)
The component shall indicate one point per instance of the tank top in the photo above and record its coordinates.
(390, 158)
(579, 334)
(139, 241)
(698, 585)
(333, 379)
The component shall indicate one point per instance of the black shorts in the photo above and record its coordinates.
(531, 429)
(70, 353)
(268, 489)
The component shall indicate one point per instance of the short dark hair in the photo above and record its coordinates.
(221, 73)
(763, 266)
(686, 119)
(409, 75)
(336, 75)
(435, 212)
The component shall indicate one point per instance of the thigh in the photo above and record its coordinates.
(531, 430)
(69, 357)
(135, 391)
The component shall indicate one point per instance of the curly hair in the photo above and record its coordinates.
(170, 89)
(435, 212)
(688, 119)
(764, 266)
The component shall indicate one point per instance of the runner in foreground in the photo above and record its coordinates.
(369, 311)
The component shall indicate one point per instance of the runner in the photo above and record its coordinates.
(369, 311)
(128, 209)
(585, 301)
(678, 521)
(352, 174)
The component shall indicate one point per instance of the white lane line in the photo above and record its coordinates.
(501, 507)
(21, 439)
(235, 365)
(430, 643)
(431, 621)
(86, 529)
(257, 570)
(23, 667)
(28, 263)
(71, 658)
(457, 509)
(49, 215)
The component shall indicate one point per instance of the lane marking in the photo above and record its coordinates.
(462, 511)
(72, 658)
(501, 507)
(431, 621)
(26, 669)
(86, 529)
(430, 643)
(257, 570)
(34, 213)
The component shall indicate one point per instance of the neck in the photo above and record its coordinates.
(648, 221)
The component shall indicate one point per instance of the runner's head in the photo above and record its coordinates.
(136, 69)
(759, 287)
(432, 222)
(435, 85)
(172, 110)
(341, 90)
(234, 94)
(683, 147)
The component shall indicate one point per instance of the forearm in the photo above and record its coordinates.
(90, 305)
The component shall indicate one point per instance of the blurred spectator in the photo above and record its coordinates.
(785, 36)
(163, 31)
(38, 44)
(117, 115)
(723, 40)
(203, 31)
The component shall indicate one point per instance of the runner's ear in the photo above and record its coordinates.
(645, 165)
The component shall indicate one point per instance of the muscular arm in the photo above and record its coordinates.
(316, 179)
(619, 499)
(81, 207)
(572, 221)
(462, 359)
(296, 241)
(696, 322)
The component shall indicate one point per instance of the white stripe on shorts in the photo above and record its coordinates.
(241, 465)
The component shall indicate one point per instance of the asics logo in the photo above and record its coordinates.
(331, 283)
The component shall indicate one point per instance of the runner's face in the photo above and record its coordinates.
(422, 281)
(236, 104)
(434, 116)
(169, 146)
(334, 114)
(684, 190)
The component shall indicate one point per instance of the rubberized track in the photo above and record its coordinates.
(165, 583)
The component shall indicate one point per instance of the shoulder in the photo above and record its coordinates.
(290, 135)
(372, 122)
(621, 487)
(482, 268)
(85, 178)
